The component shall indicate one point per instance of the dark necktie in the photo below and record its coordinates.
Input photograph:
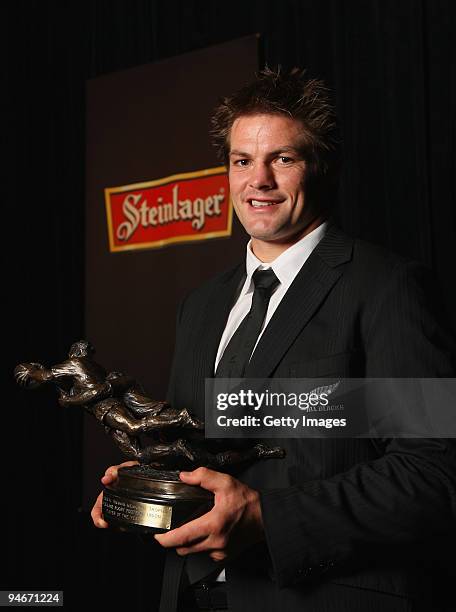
(239, 349)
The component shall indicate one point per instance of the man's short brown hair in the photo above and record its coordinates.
(293, 95)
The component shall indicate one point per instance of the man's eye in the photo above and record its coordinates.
(240, 162)
(285, 160)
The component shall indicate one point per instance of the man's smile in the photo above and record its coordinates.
(263, 203)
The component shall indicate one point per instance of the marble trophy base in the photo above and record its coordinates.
(146, 500)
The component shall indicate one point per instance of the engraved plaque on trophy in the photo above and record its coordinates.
(153, 500)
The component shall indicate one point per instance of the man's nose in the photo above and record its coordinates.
(262, 177)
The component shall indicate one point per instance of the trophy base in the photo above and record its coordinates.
(146, 500)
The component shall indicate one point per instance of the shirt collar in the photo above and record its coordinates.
(288, 264)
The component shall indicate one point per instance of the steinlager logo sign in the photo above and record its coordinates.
(178, 208)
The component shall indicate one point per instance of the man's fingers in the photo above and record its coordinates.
(200, 546)
(206, 478)
(109, 476)
(187, 535)
(111, 473)
(203, 533)
(96, 513)
(176, 538)
(211, 545)
(218, 555)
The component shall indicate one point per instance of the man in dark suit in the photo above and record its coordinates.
(339, 524)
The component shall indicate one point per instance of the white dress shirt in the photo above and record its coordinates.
(285, 267)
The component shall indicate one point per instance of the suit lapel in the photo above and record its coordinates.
(314, 281)
(216, 314)
(312, 284)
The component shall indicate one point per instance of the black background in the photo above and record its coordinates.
(392, 65)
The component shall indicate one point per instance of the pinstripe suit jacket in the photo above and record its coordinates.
(350, 524)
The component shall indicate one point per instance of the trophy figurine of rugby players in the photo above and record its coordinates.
(148, 497)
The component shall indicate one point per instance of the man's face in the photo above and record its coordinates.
(267, 174)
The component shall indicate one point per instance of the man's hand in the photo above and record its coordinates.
(233, 524)
(109, 477)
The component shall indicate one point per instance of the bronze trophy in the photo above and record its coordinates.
(148, 497)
